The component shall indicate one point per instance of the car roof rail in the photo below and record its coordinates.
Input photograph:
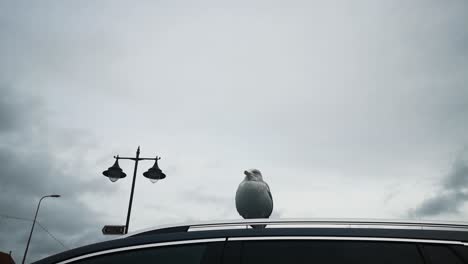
(304, 223)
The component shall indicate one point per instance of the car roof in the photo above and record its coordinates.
(302, 223)
(278, 228)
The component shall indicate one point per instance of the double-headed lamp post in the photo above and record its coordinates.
(115, 172)
(34, 222)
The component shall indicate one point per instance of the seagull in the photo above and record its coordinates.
(253, 197)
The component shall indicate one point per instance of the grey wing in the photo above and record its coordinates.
(268, 213)
(240, 206)
(243, 214)
(269, 192)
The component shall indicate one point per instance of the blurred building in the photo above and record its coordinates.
(6, 258)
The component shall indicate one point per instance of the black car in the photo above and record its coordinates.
(283, 241)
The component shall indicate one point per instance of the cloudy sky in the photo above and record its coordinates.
(350, 109)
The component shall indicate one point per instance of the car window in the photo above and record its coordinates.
(231, 252)
(329, 252)
(186, 254)
(461, 251)
(441, 254)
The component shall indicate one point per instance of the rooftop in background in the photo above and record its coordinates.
(6, 258)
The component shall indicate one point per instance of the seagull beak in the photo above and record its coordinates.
(248, 175)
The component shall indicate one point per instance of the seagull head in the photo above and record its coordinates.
(253, 175)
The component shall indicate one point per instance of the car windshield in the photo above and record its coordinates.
(117, 116)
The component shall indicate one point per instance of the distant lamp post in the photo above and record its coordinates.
(115, 173)
(34, 222)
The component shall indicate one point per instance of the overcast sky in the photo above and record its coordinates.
(350, 109)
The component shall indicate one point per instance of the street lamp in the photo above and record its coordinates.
(34, 222)
(154, 173)
(115, 173)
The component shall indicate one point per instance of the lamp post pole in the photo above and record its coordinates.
(133, 189)
(34, 222)
(115, 172)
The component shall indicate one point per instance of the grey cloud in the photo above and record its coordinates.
(458, 178)
(15, 110)
(451, 197)
(441, 203)
(193, 60)
(220, 206)
(201, 196)
(32, 167)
